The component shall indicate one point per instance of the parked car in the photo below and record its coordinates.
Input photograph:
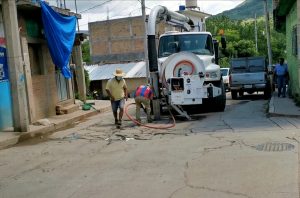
(225, 76)
(249, 75)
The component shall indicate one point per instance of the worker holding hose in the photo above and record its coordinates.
(116, 89)
(143, 95)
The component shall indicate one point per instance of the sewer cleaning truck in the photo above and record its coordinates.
(184, 70)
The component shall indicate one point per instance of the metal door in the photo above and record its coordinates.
(62, 87)
(5, 95)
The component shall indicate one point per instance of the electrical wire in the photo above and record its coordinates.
(145, 5)
(95, 6)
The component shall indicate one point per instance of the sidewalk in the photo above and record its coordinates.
(58, 122)
(283, 107)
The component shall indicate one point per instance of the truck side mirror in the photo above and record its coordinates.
(216, 47)
(223, 42)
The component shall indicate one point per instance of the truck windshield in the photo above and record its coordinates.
(196, 43)
(246, 65)
(224, 72)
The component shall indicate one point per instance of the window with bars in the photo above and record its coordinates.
(294, 41)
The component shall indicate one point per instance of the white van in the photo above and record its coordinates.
(225, 76)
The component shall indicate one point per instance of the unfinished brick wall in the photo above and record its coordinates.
(119, 40)
(44, 87)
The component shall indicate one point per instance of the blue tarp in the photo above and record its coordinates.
(60, 34)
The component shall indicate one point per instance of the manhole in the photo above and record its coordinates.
(275, 147)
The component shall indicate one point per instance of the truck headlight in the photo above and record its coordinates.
(211, 75)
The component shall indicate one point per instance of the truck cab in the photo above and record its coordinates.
(183, 71)
(198, 43)
(249, 75)
(189, 58)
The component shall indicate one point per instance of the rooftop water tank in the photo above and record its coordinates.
(191, 3)
(181, 7)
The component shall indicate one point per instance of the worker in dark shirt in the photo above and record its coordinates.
(281, 73)
(143, 95)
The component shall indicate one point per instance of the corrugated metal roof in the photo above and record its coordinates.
(104, 72)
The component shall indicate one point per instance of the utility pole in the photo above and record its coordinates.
(107, 13)
(145, 41)
(76, 17)
(255, 23)
(268, 34)
(16, 71)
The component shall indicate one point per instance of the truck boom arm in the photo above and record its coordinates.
(158, 14)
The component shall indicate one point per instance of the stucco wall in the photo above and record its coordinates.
(292, 60)
(40, 72)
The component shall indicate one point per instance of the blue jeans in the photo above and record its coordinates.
(117, 104)
(281, 83)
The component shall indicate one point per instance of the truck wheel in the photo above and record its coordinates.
(219, 102)
(241, 93)
(233, 95)
(267, 91)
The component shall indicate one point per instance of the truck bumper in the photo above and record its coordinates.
(185, 98)
(213, 91)
(226, 85)
(253, 87)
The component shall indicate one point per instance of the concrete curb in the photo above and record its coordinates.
(47, 130)
(271, 106)
(272, 113)
(8, 142)
(283, 115)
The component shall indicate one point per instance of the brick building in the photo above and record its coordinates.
(32, 87)
(122, 40)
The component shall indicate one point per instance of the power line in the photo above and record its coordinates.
(145, 6)
(95, 6)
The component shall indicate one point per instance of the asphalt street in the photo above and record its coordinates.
(240, 152)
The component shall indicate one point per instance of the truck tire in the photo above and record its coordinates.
(233, 94)
(219, 102)
(241, 93)
(267, 91)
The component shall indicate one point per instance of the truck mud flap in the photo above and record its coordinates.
(210, 91)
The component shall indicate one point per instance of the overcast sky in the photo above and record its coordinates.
(99, 10)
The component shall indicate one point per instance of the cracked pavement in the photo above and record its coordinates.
(215, 156)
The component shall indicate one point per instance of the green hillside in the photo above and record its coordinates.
(247, 10)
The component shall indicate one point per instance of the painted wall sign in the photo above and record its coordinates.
(3, 65)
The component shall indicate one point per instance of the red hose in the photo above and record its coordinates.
(167, 126)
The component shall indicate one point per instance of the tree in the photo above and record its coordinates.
(86, 52)
(244, 48)
(224, 62)
(240, 37)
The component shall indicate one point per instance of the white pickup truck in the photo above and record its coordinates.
(249, 75)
